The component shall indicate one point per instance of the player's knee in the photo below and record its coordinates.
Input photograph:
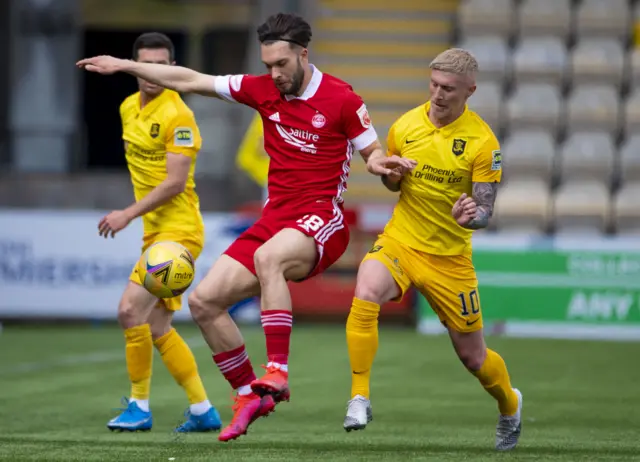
(376, 290)
(375, 283)
(129, 315)
(267, 262)
(204, 308)
(160, 322)
(370, 293)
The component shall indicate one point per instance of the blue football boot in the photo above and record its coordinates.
(207, 422)
(132, 418)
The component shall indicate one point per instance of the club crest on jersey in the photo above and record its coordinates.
(318, 120)
(154, 131)
(458, 146)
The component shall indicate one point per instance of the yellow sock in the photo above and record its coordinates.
(494, 378)
(178, 358)
(139, 354)
(362, 343)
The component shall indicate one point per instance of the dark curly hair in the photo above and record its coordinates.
(286, 27)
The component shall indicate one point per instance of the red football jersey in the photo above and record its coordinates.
(310, 138)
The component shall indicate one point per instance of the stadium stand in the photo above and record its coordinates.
(383, 50)
(568, 71)
(559, 84)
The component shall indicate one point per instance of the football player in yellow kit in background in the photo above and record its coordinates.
(427, 242)
(161, 140)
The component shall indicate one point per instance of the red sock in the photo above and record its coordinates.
(277, 329)
(236, 367)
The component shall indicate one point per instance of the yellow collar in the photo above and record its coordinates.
(152, 105)
(457, 126)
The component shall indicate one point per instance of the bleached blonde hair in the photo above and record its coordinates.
(456, 61)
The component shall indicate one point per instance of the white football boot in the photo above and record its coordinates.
(509, 427)
(359, 413)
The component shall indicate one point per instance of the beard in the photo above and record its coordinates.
(296, 81)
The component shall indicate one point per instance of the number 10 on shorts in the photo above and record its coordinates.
(469, 302)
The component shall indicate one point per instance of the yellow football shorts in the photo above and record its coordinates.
(193, 245)
(448, 282)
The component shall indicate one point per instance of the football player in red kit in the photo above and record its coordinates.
(313, 123)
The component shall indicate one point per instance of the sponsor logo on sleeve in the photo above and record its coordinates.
(496, 160)
(183, 136)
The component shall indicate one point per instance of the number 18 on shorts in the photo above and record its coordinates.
(324, 223)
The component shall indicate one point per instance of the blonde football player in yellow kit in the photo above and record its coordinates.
(427, 242)
(161, 142)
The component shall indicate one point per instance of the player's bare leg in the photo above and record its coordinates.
(227, 283)
(288, 255)
(490, 369)
(134, 308)
(179, 360)
(375, 286)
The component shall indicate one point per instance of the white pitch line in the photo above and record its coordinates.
(97, 357)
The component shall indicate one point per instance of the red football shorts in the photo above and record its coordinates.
(321, 220)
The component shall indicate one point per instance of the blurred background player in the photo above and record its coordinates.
(427, 242)
(161, 141)
(252, 158)
(312, 124)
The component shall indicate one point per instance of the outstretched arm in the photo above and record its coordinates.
(178, 78)
(390, 168)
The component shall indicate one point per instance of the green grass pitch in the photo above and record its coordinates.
(58, 386)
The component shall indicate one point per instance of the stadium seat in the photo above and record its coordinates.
(626, 209)
(632, 112)
(545, 18)
(540, 59)
(493, 56)
(609, 18)
(587, 156)
(529, 152)
(594, 106)
(598, 60)
(482, 17)
(522, 204)
(487, 102)
(629, 161)
(581, 206)
(535, 105)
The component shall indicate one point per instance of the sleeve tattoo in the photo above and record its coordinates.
(485, 196)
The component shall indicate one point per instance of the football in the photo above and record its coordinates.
(166, 269)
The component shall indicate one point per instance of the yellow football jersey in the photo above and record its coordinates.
(165, 124)
(449, 160)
